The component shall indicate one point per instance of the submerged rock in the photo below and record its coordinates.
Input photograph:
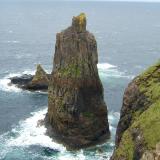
(138, 131)
(29, 82)
(77, 113)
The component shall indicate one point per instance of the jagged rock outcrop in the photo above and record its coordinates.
(40, 79)
(77, 113)
(138, 131)
(29, 82)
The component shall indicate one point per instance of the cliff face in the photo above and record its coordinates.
(138, 132)
(77, 113)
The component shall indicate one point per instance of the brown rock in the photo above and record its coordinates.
(137, 136)
(29, 82)
(77, 113)
(40, 80)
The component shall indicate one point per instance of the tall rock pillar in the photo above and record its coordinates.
(77, 113)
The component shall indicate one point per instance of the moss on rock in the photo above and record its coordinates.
(149, 123)
(40, 75)
(79, 22)
(146, 123)
(71, 70)
(126, 148)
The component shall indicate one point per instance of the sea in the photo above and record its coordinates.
(128, 39)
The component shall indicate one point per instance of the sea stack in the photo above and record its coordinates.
(39, 81)
(138, 131)
(77, 113)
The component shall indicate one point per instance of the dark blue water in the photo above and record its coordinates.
(128, 36)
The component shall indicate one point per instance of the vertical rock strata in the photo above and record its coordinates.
(77, 113)
(138, 131)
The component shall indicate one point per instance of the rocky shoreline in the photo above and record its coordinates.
(77, 114)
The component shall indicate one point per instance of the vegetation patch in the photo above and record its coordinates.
(72, 70)
(149, 82)
(148, 121)
(126, 147)
(88, 114)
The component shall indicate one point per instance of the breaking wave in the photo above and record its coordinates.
(106, 71)
(5, 82)
(27, 136)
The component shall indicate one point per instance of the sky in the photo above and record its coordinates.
(88, 0)
(130, 0)
(136, 0)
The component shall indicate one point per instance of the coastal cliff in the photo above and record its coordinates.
(77, 113)
(138, 131)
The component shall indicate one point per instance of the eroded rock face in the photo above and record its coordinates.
(77, 113)
(40, 76)
(40, 80)
(138, 131)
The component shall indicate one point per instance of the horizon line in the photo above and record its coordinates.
(129, 1)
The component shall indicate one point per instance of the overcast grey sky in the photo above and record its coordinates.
(88, 0)
(137, 0)
(130, 0)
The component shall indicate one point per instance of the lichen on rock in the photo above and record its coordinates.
(79, 22)
(140, 117)
(40, 75)
(39, 81)
(77, 113)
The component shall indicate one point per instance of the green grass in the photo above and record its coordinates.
(72, 70)
(40, 74)
(148, 122)
(126, 147)
(88, 114)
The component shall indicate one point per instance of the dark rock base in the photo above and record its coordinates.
(24, 82)
(74, 142)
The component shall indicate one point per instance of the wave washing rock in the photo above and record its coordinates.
(37, 82)
(138, 132)
(77, 113)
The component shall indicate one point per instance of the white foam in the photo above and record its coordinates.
(12, 41)
(27, 133)
(113, 115)
(4, 85)
(113, 118)
(31, 134)
(32, 72)
(67, 156)
(107, 70)
(105, 66)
